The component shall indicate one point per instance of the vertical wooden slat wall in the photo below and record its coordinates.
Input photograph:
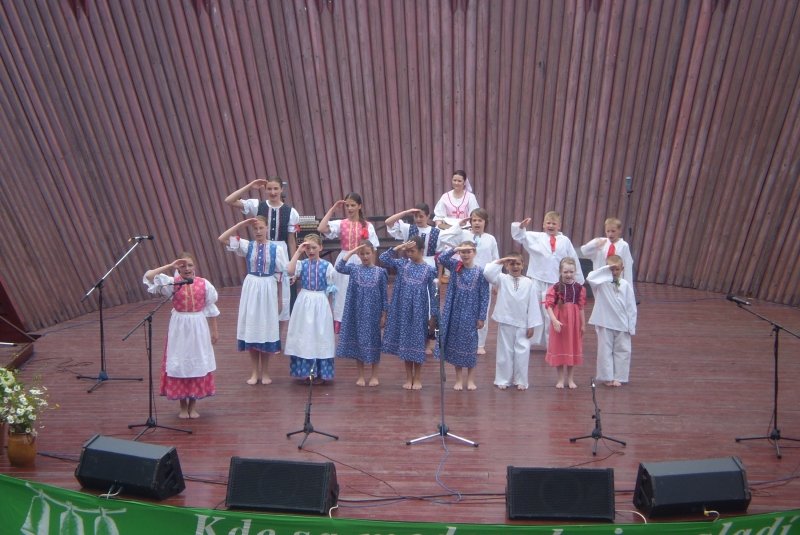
(129, 118)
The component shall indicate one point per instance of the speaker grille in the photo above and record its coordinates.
(566, 493)
(282, 486)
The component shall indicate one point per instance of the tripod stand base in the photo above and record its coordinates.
(775, 436)
(308, 429)
(103, 377)
(597, 435)
(151, 424)
(444, 431)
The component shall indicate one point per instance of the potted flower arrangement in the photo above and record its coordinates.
(19, 410)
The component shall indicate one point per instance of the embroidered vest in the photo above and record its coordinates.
(313, 274)
(257, 267)
(433, 242)
(191, 297)
(278, 220)
(350, 234)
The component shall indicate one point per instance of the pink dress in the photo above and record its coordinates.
(566, 347)
(188, 319)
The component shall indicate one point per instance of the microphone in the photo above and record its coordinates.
(629, 184)
(140, 238)
(592, 380)
(737, 300)
(181, 283)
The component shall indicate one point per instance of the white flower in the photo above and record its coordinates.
(11, 419)
(20, 411)
(33, 417)
(16, 388)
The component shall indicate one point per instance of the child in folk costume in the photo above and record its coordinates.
(546, 250)
(465, 305)
(486, 252)
(614, 319)
(187, 372)
(282, 221)
(364, 311)
(601, 248)
(400, 230)
(351, 231)
(565, 302)
(453, 206)
(257, 329)
(517, 315)
(413, 309)
(310, 339)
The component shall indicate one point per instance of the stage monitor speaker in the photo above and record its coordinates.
(131, 467)
(691, 487)
(562, 493)
(283, 486)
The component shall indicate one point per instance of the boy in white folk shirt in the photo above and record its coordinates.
(601, 248)
(517, 315)
(546, 250)
(614, 318)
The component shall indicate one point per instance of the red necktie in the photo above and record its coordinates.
(611, 250)
(553, 244)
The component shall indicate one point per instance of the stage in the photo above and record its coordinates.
(701, 375)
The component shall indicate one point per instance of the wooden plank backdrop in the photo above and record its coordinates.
(131, 118)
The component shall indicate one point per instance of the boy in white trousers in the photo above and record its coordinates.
(517, 314)
(614, 318)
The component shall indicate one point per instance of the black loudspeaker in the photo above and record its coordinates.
(132, 467)
(690, 487)
(284, 486)
(565, 493)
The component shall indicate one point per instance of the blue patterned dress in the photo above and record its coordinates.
(465, 302)
(310, 336)
(367, 299)
(414, 302)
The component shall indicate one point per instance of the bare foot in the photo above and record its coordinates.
(458, 386)
(502, 387)
(572, 385)
(609, 383)
(560, 384)
(481, 351)
(266, 380)
(407, 385)
(416, 385)
(471, 386)
(184, 415)
(194, 414)
(253, 380)
(616, 383)
(428, 351)
(361, 382)
(520, 387)
(373, 381)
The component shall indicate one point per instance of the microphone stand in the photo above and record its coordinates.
(307, 427)
(102, 376)
(628, 191)
(775, 435)
(151, 421)
(597, 432)
(444, 431)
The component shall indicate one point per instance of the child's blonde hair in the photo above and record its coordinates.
(313, 237)
(555, 216)
(613, 221)
(468, 244)
(614, 259)
(187, 255)
(263, 220)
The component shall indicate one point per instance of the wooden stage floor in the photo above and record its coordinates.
(702, 374)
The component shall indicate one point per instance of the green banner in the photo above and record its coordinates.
(36, 509)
